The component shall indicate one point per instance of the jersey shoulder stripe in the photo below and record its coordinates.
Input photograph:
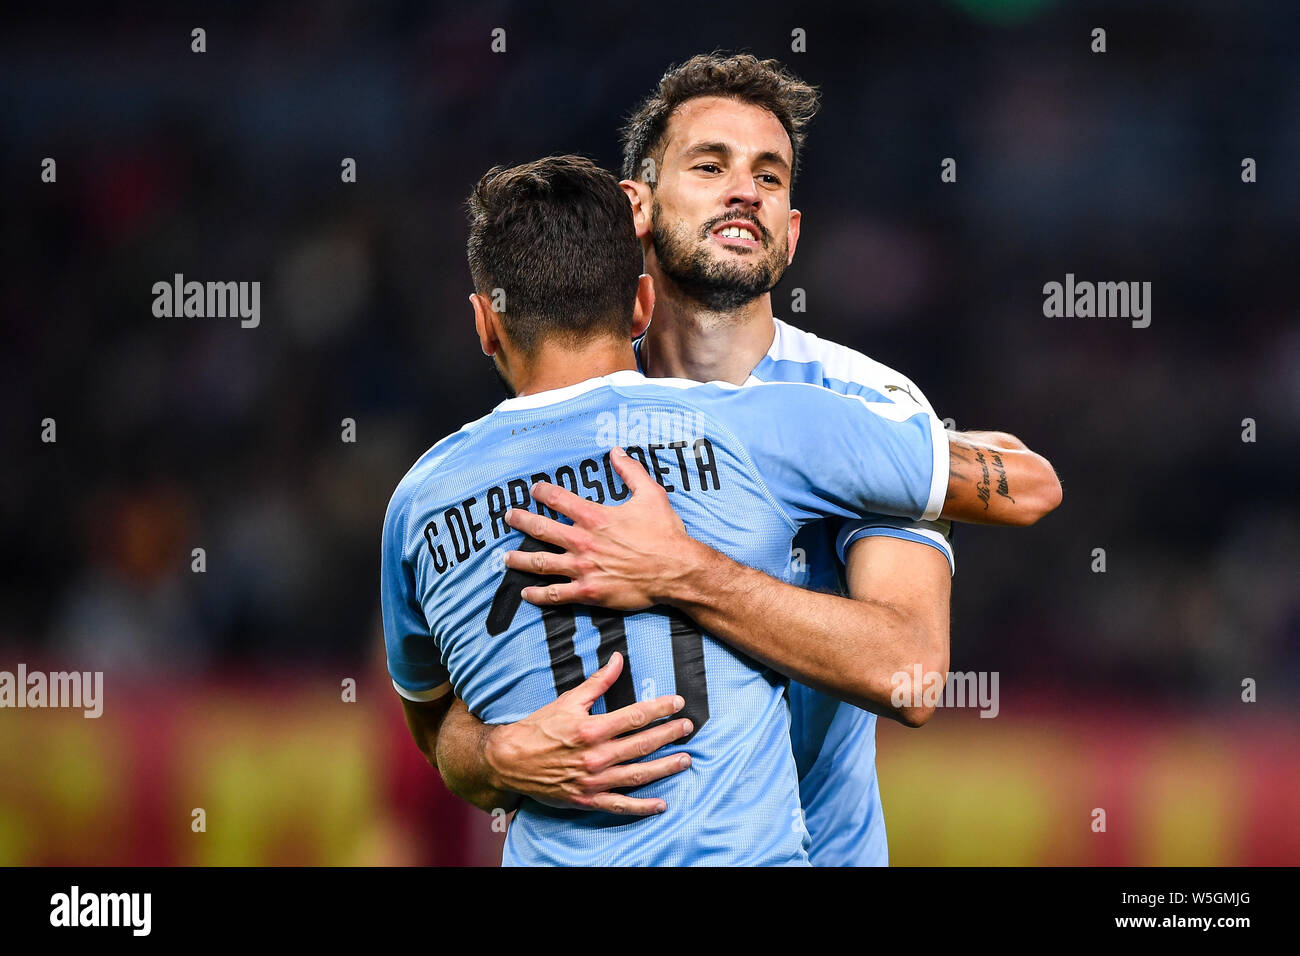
(799, 355)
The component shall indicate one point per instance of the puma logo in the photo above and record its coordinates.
(900, 388)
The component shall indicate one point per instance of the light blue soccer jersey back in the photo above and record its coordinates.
(744, 468)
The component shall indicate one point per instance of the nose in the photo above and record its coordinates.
(742, 190)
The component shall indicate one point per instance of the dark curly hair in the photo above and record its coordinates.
(738, 76)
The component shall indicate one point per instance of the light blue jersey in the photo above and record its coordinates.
(744, 468)
(835, 742)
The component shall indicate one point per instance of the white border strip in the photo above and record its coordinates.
(423, 696)
(939, 478)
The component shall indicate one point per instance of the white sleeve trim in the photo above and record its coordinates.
(917, 532)
(939, 477)
(423, 696)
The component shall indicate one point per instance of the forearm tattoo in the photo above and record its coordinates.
(963, 453)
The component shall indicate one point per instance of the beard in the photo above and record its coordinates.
(718, 286)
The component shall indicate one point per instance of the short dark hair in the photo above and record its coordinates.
(557, 237)
(739, 76)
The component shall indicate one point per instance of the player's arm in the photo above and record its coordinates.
(453, 743)
(993, 478)
(427, 721)
(865, 649)
(639, 554)
(561, 755)
(821, 453)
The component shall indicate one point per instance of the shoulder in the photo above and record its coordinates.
(707, 396)
(677, 391)
(421, 479)
(798, 355)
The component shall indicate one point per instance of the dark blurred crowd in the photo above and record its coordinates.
(182, 433)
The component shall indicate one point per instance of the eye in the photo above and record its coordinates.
(770, 178)
(710, 167)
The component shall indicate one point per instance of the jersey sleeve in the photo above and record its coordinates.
(936, 533)
(414, 661)
(823, 453)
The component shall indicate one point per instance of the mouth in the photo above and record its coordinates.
(737, 234)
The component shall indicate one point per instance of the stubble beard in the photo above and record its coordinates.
(718, 286)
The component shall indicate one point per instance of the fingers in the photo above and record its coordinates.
(611, 766)
(631, 471)
(543, 594)
(590, 690)
(636, 717)
(541, 527)
(630, 776)
(543, 562)
(564, 501)
(628, 806)
(635, 746)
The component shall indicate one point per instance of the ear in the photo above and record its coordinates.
(642, 199)
(645, 305)
(486, 324)
(792, 232)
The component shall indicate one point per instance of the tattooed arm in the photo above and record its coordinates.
(895, 622)
(993, 478)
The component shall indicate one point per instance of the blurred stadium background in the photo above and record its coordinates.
(1119, 690)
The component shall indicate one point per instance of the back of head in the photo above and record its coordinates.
(553, 244)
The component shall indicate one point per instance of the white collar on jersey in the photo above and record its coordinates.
(554, 396)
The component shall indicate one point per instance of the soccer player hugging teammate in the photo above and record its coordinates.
(709, 158)
(763, 460)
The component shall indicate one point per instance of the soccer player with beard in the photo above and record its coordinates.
(747, 467)
(709, 161)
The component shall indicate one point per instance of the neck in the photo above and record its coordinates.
(687, 340)
(556, 366)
